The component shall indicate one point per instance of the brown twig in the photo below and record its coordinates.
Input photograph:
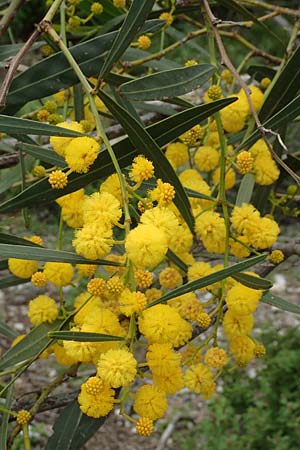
(14, 66)
(9, 15)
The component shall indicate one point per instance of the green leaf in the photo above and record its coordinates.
(246, 189)
(168, 83)
(15, 125)
(30, 346)
(7, 331)
(253, 282)
(164, 132)
(145, 144)
(280, 303)
(12, 49)
(83, 337)
(5, 418)
(285, 116)
(46, 254)
(54, 73)
(44, 154)
(12, 280)
(285, 87)
(259, 71)
(209, 279)
(4, 264)
(176, 260)
(133, 54)
(10, 239)
(135, 18)
(73, 429)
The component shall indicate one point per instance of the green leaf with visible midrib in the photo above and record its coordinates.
(164, 131)
(44, 154)
(15, 125)
(284, 89)
(12, 280)
(30, 345)
(135, 18)
(253, 282)
(46, 254)
(10, 239)
(284, 116)
(7, 331)
(168, 83)
(280, 303)
(145, 144)
(72, 429)
(209, 279)
(83, 336)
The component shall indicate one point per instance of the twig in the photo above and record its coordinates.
(270, 7)
(168, 431)
(9, 15)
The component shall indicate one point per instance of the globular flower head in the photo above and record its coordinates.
(206, 158)
(198, 378)
(144, 42)
(177, 153)
(244, 161)
(38, 279)
(163, 218)
(164, 193)
(101, 208)
(22, 268)
(150, 402)
(59, 274)
(142, 169)
(117, 367)
(170, 278)
(93, 241)
(276, 256)
(144, 278)
(237, 325)
(80, 153)
(242, 349)
(242, 300)
(144, 426)
(23, 417)
(216, 358)
(58, 179)
(132, 302)
(97, 402)
(58, 143)
(42, 309)
(167, 17)
(96, 8)
(210, 227)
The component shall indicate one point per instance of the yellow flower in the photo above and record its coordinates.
(23, 417)
(234, 115)
(170, 278)
(38, 279)
(42, 309)
(206, 158)
(188, 306)
(146, 245)
(93, 241)
(276, 257)
(237, 249)
(22, 268)
(62, 357)
(164, 193)
(265, 170)
(265, 82)
(97, 404)
(256, 96)
(86, 270)
(216, 357)
(242, 300)
(144, 426)
(210, 227)
(144, 42)
(150, 402)
(119, 3)
(229, 177)
(71, 208)
(142, 169)
(117, 367)
(242, 217)
(177, 152)
(214, 92)
(197, 378)
(203, 320)
(81, 153)
(59, 144)
(236, 325)
(242, 349)
(198, 270)
(59, 274)
(144, 278)
(58, 179)
(167, 17)
(163, 324)
(92, 304)
(162, 218)
(244, 162)
(263, 233)
(164, 364)
(112, 185)
(96, 8)
(101, 208)
(132, 302)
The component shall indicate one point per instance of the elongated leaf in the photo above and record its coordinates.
(7, 331)
(209, 279)
(54, 73)
(12, 280)
(168, 83)
(44, 154)
(285, 116)
(145, 144)
(73, 429)
(280, 303)
(132, 54)
(135, 18)
(246, 189)
(33, 343)
(10, 239)
(259, 71)
(164, 132)
(46, 254)
(15, 125)
(12, 49)
(3, 264)
(284, 89)
(253, 282)
(83, 337)
(176, 260)
(5, 418)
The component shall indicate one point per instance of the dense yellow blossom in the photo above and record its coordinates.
(242, 349)
(71, 208)
(144, 426)
(60, 144)
(93, 241)
(198, 378)
(141, 169)
(170, 278)
(210, 227)
(42, 309)
(112, 185)
(81, 153)
(59, 274)
(97, 404)
(22, 268)
(242, 300)
(150, 402)
(237, 325)
(101, 208)
(132, 302)
(206, 158)
(177, 153)
(117, 367)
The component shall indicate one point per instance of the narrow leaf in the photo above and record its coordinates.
(46, 254)
(15, 125)
(73, 429)
(245, 190)
(5, 418)
(163, 132)
(135, 18)
(284, 89)
(280, 303)
(169, 83)
(44, 154)
(7, 331)
(32, 344)
(209, 279)
(145, 144)
(285, 116)
(83, 337)
(10, 239)
(253, 282)
(12, 280)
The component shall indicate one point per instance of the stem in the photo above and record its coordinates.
(26, 437)
(270, 7)
(99, 127)
(9, 15)
(7, 411)
(62, 11)
(23, 186)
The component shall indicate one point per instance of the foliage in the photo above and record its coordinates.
(158, 229)
(260, 409)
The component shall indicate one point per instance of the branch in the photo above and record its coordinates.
(9, 15)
